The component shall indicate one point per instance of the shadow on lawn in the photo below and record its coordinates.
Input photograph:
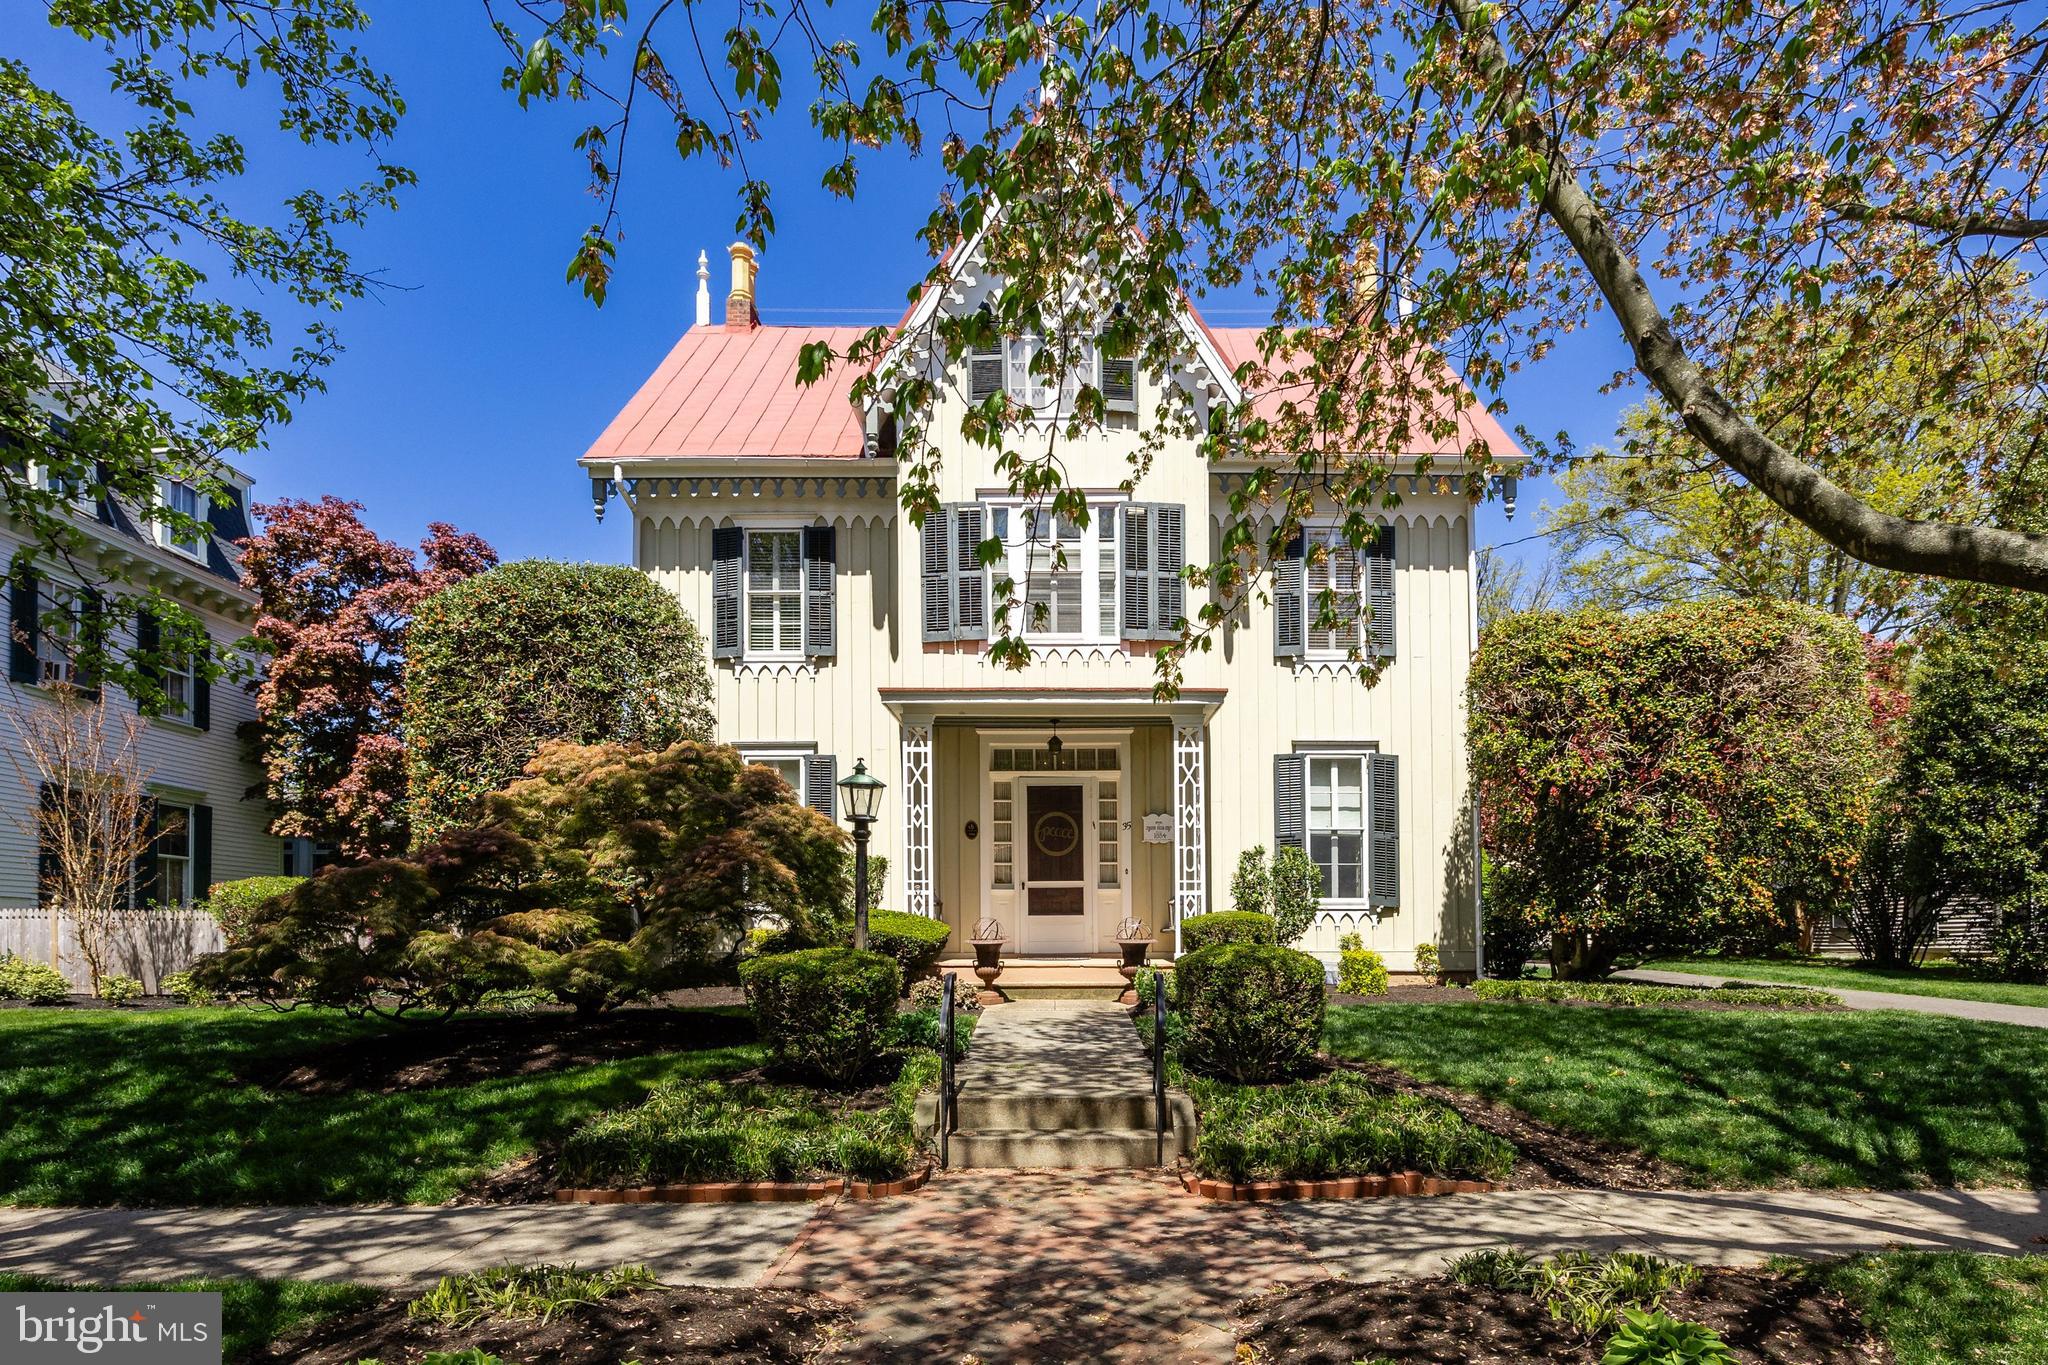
(1880, 1100)
(148, 1110)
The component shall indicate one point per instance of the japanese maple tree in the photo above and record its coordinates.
(335, 600)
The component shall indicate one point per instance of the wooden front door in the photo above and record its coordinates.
(1055, 868)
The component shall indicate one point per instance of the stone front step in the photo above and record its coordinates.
(981, 1111)
(1068, 1149)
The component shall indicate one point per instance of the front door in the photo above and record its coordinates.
(1055, 868)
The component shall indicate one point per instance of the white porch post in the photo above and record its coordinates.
(917, 819)
(1190, 824)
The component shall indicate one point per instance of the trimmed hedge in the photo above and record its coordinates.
(233, 905)
(1315, 1130)
(36, 982)
(1227, 926)
(826, 1012)
(1636, 993)
(917, 942)
(1252, 1011)
(1360, 971)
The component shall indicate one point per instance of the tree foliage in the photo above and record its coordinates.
(153, 319)
(604, 874)
(1662, 780)
(499, 664)
(334, 602)
(1461, 182)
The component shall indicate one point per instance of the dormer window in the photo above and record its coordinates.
(1006, 366)
(183, 499)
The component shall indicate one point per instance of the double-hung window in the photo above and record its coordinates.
(1337, 824)
(57, 633)
(174, 854)
(1332, 566)
(775, 594)
(180, 686)
(183, 499)
(1065, 574)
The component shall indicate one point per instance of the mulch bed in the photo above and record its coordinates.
(1548, 1157)
(467, 1051)
(1764, 1317)
(655, 1327)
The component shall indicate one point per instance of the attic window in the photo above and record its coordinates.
(183, 499)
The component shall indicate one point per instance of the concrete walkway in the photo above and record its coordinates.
(2026, 1016)
(1108, 1265)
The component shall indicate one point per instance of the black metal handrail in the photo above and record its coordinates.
(946, 1050)
(1159, 1062)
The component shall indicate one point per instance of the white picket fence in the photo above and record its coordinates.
(151, 944)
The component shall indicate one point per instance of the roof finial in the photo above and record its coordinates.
(703, 289)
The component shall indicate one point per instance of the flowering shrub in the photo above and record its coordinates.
(1666, 781)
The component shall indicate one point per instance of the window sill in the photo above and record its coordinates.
(178, 724)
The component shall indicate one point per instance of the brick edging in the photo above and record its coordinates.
(747, 1191)
(1406, 1183)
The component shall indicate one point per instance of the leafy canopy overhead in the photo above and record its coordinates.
(1460, 180)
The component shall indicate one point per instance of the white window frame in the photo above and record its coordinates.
(1088, 559)
(43, 477)
(56, 601)
(1336, 649)
(179, 894)
(1363, 758)
(166, 535)
(772, 756)
(776, 653)
(180, 667)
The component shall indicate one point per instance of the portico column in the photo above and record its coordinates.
(917, 819)
(1190, 824)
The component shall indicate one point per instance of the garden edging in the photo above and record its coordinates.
(747, 1191)
(1405, 1184)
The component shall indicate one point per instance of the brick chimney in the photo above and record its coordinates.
(739, 304)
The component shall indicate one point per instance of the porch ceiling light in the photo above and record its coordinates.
(862, 792)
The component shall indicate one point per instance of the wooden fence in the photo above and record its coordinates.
(150, 944)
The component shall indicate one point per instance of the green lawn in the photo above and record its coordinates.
(1949, 979)
(253, 1313)
(1745, 1098)
(1943, 1308)
(144, 1108)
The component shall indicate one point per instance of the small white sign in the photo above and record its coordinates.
(1159, 829)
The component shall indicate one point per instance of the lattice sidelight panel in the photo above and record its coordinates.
(917, 819)
(1190, 824)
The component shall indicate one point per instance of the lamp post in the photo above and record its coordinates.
(863, 794)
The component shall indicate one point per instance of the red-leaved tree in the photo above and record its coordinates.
(335, 600)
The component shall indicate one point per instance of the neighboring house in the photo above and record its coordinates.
(209, 826)
(1062, 798)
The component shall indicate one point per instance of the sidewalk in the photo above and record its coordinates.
(2026, 1016)
(1113, 1265)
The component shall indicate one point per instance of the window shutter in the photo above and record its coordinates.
(821, 783)
(1137, 571)
(1169, 558)
(935, 556)
(726, 545)
(1290, 593)
(202, 851)
(970, 576)
(48, 869)
(90, 640)
(1119, 384)
(202, 694)
(1383, 823)
(22, 614)
(149, 638)
(145, 883)
(1379, 593)
(1290, 801)
(821, 552)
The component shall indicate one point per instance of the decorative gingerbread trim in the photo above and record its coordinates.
(1404, 1184)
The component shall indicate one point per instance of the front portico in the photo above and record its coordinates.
(1029, 806)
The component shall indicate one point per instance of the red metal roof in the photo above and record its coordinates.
(733, 392)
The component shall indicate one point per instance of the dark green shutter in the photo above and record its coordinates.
(935, 561)
(1379, 589)
(24, 615)
(202, 691)
(1290, 611)
(821, 546)
(89, 641)
(1290, 801)
(201, 836)
(821, 783)
(48, 868)
(727, 543)
(149, 643)
(1383, 824)
(969, 575)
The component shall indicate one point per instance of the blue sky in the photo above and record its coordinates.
(471, 386)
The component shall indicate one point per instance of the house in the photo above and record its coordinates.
(210, 827)
(1061, 798)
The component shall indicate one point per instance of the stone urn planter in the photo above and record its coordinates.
(988, 957)
(1136, 940)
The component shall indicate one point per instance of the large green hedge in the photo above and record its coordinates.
(916, 942)
(827, 1012)
(1252, 1012)
(534, 651)
(1670, 780)
(1227, 926)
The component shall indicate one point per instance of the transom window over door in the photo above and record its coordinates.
(775, 594)
(1336, 824)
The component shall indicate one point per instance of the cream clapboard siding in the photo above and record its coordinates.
(1415, 711)
(203, 766)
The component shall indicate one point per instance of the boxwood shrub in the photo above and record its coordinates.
(917, 942)
(234, 904)
(825, 1012)
(1226, 926)
(1252, 1012)
(38, 983)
